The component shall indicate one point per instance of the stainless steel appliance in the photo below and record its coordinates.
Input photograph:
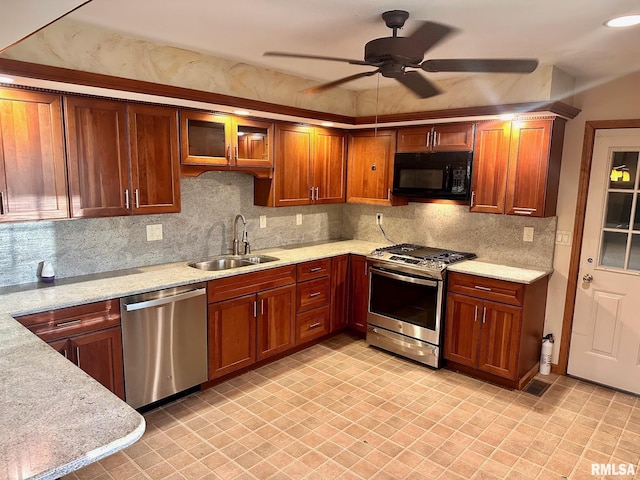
(164, 340)
(433, 175)
(406, 299)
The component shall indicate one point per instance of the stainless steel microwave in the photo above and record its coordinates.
(433, 175)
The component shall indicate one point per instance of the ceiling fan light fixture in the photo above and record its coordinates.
(624, 21)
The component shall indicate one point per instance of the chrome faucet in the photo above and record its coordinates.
(245, 238)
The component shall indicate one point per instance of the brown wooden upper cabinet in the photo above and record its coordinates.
(309, 168)
(210, 139)
(516, 167)
(122, 158)
(370, 167)
(448, 137)
(33, 181)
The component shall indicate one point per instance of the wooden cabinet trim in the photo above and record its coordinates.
(247, 283)
(486, 288)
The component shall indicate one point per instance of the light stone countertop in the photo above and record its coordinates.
(500, 272)
(56, 418)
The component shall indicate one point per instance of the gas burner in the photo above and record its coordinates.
(419, 259)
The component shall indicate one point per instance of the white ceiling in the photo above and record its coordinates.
(567, 33)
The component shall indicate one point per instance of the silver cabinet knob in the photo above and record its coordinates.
(587, 278)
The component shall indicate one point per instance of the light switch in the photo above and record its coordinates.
(563, 237)
(263, 221)
(298, 219)
(527, 236)
(154, 232)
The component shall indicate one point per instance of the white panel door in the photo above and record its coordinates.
(605, 339)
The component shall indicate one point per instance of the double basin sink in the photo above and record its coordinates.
(225, 262)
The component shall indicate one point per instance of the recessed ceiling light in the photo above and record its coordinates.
(506, 116)
(626, 21)
(6, 79)
(327, 124)
(241, 112)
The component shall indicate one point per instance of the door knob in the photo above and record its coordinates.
(587, 278)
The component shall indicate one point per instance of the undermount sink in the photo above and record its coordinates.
(225, 262)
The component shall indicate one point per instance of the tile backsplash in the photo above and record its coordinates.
(204, 228)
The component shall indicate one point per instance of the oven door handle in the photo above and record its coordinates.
(404, 278)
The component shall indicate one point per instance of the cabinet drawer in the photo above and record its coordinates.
(312, 324)
(487, 288)
(314, 269)
(313, 294)
(66, 322)
(248, 283)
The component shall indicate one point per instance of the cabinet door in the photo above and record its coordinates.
(528, 164)
(500, 339)
(97, 157)
(414, 139)
(462, 329)
(370, 167)
(490, 159)
(329, 162)
(276, 321)
(232, 335)
(339, 292)
(205, 138)
(253, 143)
(452, 137)
(62, 346)
(359, 293)
(155, 175)
(33, 180)
(100, 355)
(292, 170)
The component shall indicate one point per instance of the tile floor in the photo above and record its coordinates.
(341, 410)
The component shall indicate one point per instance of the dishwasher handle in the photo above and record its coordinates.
(164, 300)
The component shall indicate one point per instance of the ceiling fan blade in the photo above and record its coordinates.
(428, 35)
(419, 85)
(314, 57)
(335, 83)
(491, 65)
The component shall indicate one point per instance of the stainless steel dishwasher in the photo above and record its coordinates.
(164, 341)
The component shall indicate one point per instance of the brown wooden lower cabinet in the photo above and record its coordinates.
(313, 300)
(339, 292)
(251, 317)
(89, 336)
(359, 291)
(494, 328)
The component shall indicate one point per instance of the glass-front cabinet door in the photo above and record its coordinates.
(620, 241)
(252, 143)
(205, 138)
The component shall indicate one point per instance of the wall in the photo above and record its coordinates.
(617, 99)
(203, 228)
(495, 238)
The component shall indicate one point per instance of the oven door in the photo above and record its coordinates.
(405, 303)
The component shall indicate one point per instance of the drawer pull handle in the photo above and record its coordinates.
(315, 269)
(314, 325)
(66, 324)
(311, 295)
(484, 289)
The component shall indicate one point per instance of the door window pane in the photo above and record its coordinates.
(206, 139)
(623, 170)
(614, 246)
(618, 210)
(634, 257)
(252, 142)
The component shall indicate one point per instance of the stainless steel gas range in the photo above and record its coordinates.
(406, 299)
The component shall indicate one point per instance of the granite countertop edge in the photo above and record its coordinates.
(20, 349)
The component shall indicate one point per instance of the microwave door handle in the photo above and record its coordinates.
(447, 178)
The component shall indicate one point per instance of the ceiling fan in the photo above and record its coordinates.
(397, 57)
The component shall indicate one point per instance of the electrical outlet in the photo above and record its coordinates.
(263, 221)
(378, 219)
(154, 232)
(298, 219)
(527, 236)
